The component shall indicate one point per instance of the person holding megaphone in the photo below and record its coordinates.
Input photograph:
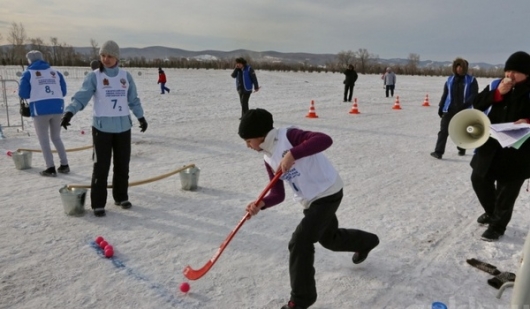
(499, 173)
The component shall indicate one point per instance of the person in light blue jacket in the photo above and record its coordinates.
(44, 87)
(114, 94)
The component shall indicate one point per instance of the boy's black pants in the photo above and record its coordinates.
(320, 224)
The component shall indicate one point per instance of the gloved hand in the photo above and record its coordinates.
(65, 121)
(143, 124)
(440, 112)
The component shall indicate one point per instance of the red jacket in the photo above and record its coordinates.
(161, 77)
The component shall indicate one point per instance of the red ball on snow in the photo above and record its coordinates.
(185, 287)
(99, 239)
(109, 253)
(103, 244)
(108, 247)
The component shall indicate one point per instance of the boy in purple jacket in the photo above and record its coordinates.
(316, 185)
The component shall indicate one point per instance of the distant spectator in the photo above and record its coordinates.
(246, 80)
(94, 65)
(460, 90)
(162, 81)
(349, 82)
(389, 80)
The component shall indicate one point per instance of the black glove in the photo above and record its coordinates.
(143, 124)
(440, 112)
(65, 121)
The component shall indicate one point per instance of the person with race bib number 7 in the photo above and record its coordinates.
(115, 96)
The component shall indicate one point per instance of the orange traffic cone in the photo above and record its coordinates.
(354, 109)
(312, 113)
(396, 104)
(426, 101)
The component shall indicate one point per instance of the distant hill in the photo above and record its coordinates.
(161, 52)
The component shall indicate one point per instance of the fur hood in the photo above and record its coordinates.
(460, 62)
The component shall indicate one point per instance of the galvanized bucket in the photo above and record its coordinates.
(22, 159)
(73, 200)
(189, 178)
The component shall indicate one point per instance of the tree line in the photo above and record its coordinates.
(62, 54)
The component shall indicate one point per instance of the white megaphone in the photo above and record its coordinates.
(469, 128)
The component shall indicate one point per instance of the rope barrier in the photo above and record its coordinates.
(139, 182)
(55, 151)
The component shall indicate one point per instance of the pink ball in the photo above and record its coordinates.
(9, 153)
(99, 239)
(103, 244)
(185, 287)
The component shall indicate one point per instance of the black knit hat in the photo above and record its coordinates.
(255, 123)
(519, 61)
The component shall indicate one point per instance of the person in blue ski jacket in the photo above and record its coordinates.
(115, 96)
(246, 81)
(44, 87)
(460, 90)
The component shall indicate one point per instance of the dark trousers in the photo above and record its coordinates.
(320, 224)
(497, 201)
(389, 88)
(444, 133)
(163, 88)
(243, 98)
(107, 146)
(348, 89)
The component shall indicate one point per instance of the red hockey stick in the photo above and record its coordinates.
(193, 274)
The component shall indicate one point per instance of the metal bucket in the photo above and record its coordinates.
(189, 178)
(22, 159)
(73, 200)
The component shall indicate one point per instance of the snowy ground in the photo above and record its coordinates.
(424, 210)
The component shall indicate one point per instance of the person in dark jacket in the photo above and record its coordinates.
(246, 80)
(316, 185)
(349, 82)
(498, 173)
(460, 90)
(162, 81)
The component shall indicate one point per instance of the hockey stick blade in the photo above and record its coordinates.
(193, 274)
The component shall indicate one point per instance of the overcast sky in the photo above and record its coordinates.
(478, 30)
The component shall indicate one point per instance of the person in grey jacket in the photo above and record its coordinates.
(389, 80)
(115, 96)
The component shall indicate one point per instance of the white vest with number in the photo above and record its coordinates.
(110, 99)
(45, 85)
(309, 176)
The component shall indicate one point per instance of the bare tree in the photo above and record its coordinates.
(363, 59)
(17, 37)
(54, 50)
(412, 64)
(94, 52)
(344, 58)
